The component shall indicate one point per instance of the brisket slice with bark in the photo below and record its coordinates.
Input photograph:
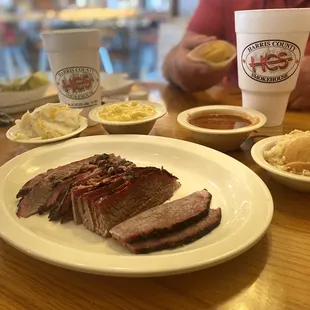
(180, 237)
(38, 200)
(27, 187)
(137, 190)
(114, 165)
(48, 192)
(164, 218)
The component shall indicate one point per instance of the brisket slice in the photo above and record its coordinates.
(37, 199)
(43, 196)
(63, 206)
(133, 195)
(32, 202)
(62, 201)
(114, 165)
(164, 218)
(92, 185)
(68, 216)
(107, 185)
(27, 187)
(180, 237)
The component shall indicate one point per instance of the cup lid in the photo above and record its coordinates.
(273, 21)
(70, 39)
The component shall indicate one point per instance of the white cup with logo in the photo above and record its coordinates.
(74, 60)
(270, 48)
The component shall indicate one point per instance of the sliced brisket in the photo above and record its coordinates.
(49, 192)
(180, 237)
(30, 184)
(126, 197)
(27, 187)
(36, 199)
(161, 219)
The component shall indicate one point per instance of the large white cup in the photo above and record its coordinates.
(74, 60)
(270, 47)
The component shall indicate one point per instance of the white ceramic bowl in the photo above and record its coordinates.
(14, 98)
(11, 134)
(142, 127)
(222, 139)
(115, 84)
(297, 182)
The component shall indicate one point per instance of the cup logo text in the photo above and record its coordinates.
(77, 82)
(270, 61)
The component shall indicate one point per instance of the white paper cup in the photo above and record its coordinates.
(270, 47)
(74, 60)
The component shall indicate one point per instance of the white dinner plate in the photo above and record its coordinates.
(246, 203)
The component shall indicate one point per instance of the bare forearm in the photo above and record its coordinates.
(168, 67)
(196, 78)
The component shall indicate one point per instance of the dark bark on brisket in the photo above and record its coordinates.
(27, 187)
(67, 217)
(178, 238)
(30, 184)
(107, 210)
(110, 166)
(37, 198)
(164, 218)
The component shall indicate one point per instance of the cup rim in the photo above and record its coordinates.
(273, 10)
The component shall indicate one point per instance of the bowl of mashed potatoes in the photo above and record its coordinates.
(286, 158)
(128, 117)
(48, 123)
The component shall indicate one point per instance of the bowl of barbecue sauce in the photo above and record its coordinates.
(221, 127)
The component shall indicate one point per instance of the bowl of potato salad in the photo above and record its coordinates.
(128, 117)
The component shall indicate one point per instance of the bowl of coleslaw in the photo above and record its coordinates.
(49, 123)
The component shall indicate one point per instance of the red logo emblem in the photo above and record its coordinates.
(77, 82)
(270, 61)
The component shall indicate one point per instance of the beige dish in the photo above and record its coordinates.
(142, 127)
(294, 181)
(217, 54)
(221, 139)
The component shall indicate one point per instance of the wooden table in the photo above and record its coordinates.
(274, 274)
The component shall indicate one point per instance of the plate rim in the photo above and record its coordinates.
(149, 270)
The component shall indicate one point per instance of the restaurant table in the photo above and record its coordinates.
(273, 274)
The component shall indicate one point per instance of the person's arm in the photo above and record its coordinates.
(300, 96)
(186, 74)
(205, 25)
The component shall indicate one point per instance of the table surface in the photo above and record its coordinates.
(274, 274)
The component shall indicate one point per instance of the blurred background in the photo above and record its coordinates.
(135, 34)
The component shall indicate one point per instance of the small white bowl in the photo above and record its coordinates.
(222, 139)
(294, 181)
(142, 127)
(115, 84)
(11, 134)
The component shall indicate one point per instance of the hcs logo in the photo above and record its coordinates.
(270, 61)
(77, 82)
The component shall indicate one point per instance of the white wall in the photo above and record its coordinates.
(187, 7)
(170, 33)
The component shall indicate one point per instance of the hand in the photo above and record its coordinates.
(300, 96)
(188, 74)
